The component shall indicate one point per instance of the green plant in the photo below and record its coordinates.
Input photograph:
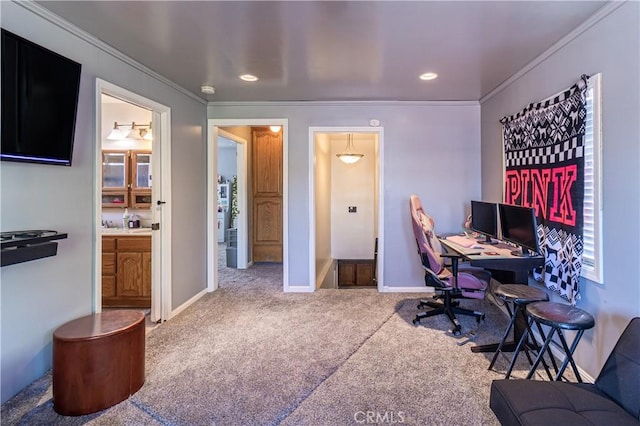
(234, 198)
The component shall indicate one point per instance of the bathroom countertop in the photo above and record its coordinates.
(125, 231)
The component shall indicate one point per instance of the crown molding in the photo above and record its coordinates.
(344, 103)
(94, 41)
(602, 13)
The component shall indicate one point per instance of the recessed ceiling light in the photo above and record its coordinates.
(209, 90)
(248, 77)
(428, 76)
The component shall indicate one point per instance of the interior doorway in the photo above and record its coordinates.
(232, 213)
(216, 129)
(346, 216)
(153, 261)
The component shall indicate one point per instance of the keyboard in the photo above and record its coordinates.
(462, 241)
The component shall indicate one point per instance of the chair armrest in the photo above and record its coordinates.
(454, 257)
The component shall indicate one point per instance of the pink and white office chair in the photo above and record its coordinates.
(450, 284)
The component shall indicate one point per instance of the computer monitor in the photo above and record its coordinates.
(518, 226)
(484, 220)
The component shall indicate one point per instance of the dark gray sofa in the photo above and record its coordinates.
(614, 398)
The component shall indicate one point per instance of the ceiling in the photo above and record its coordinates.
(331, 50)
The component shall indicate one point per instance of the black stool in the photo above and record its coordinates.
(558, 317)
(520, 295)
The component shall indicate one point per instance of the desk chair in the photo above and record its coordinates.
(451, 283)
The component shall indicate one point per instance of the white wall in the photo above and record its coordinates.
(611, 47)
(227, 162)
(431, 149)
(353, 234)
(39, 296)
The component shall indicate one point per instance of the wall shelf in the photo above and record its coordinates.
(25, 246)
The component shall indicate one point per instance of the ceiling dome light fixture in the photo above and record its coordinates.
(248, 77)
(349, 156)
(428, 76)
(208, 90)
(274, 129)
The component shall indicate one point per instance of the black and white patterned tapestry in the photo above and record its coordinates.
(544, 169)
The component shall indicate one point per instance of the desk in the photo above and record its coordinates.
(500, 260)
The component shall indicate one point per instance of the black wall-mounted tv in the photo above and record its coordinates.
(39, 103)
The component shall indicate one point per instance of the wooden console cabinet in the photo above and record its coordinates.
(126, 271)
(98, 361)
(355, 272)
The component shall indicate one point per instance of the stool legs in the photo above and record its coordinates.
(540, 357)
(519, 308)
(506, 334)
(568, 353)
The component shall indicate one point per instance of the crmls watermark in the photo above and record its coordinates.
(376, 417)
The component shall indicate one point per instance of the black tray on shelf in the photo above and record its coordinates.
(23, 246)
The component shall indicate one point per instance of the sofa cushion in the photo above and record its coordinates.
(531, 402)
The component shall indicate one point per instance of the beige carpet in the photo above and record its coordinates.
(248, 354)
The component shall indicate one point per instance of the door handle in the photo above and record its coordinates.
(161, 202)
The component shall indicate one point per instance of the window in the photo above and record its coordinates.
(592, 234)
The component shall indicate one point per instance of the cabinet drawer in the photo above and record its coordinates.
(134, 244)
(108, 263)
(108, 244)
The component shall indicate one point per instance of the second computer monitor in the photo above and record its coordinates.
(484, 220)
(519, 226)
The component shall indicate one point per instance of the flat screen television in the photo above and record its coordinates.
(484, 220)
(39, 103)
(518, 225)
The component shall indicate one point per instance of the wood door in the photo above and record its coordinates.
(267, 195)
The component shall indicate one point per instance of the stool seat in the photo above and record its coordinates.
(520, 293)
(560, 315)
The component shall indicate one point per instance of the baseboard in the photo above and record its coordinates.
(188, 303)
(421, 289)
(299, 289)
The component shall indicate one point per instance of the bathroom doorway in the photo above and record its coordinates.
(133, 225)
